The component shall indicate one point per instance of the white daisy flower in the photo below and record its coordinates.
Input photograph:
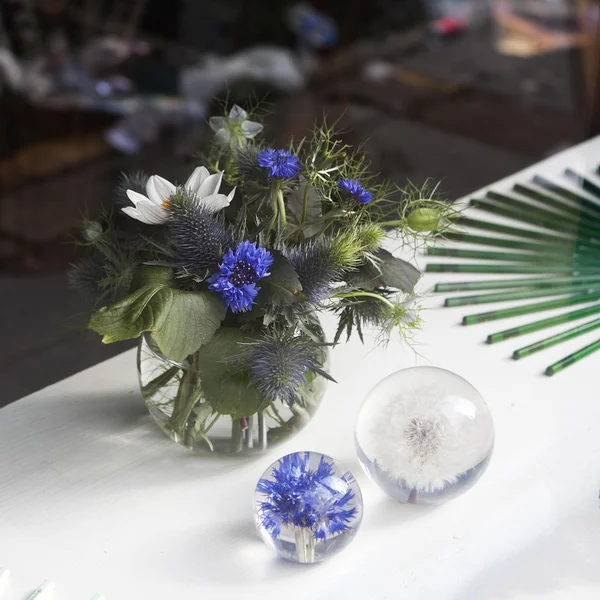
(153, 208)
(234, 129)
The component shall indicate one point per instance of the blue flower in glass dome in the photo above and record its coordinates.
(238, 273)
(353, 187)
(307, 495)
(280, 163)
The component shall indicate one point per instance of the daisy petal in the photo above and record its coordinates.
(251, 129)
(136, 197)
(210, 185)
(152, 214)
(159, 189)
(216, 202)
(135, 214)
(196, 178)
(217, 123)
(237, 114)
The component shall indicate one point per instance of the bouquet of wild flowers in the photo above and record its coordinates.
(222, 275)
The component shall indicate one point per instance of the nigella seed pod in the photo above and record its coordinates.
(424, 219)
(92, 231)
(424, 435)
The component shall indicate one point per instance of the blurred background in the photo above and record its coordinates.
(462, 91)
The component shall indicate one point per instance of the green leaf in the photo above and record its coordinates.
(142, 310)
(396, 272)
(295, 203)
(153, 386)
(146, 275)
(189, 322)
(366, 277)
(226, 387)
(282, 286)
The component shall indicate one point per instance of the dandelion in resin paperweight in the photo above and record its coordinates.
(424, 435)
(307, 507)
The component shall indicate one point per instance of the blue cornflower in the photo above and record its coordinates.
(281, 163)
(356, 190)
(300, 497)
(238, 274)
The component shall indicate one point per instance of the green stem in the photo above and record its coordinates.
(210, 425)
(187, 396)
(397, 223)
(305, 202)
(237, 436)
(366, 295)
(281, 207)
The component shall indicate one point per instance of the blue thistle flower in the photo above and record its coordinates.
(280, 163)
(238, 274)
(315, 264)
(300, 497)
(353, 187)
(279, 362)
(197, 236)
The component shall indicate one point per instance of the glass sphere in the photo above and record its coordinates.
(307, 507)
(424, 435)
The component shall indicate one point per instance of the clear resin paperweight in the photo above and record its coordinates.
(307, 507)
(424, 435)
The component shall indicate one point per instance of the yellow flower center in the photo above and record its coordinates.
(166, 203)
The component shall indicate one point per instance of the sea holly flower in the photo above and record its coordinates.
(234, 129)
(153, 208)
(297, 496)
(238, 273)
(278, 365)
(353, 187)
(281, 164)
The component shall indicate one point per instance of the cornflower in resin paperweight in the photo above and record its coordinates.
(307, 507)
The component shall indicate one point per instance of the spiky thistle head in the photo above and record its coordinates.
(279, 362)
(198, 236)
(85, 276)
(248, 169)
(133, 181)
(317, 264)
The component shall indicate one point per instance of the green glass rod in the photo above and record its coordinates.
(522, 294)
(576, 259)
(581, 229)
(562, 204)
(516, 268)
(584, 183)
(554, 368)
(559, 189)
(507, 334)
(561, 240)
(527, 309)
(503, 284)
(533, 209)
(559, 250)
(556, 339)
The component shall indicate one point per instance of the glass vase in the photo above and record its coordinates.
(173, 395)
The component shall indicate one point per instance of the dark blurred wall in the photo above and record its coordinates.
(225, 26)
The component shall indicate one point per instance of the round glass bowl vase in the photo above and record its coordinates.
(173, 395)
(307, 507)
(424, 435)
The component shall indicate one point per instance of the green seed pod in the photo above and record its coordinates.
(424, 219)
(92, 231)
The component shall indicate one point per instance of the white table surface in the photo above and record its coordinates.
(93, 496)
